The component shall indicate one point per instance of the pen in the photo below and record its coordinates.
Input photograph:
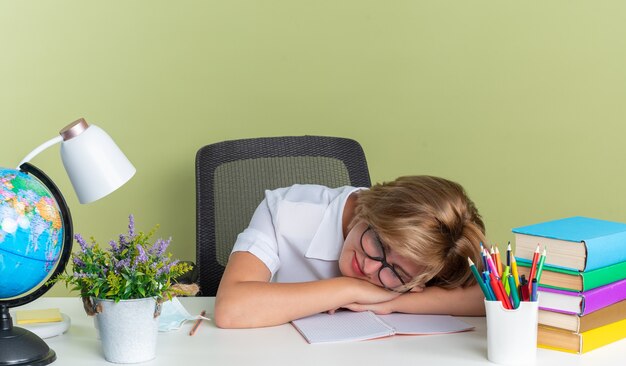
(533, 292)
(540, 265)
(524, 289)
(479, 280)
(197, 324)
(508, 254)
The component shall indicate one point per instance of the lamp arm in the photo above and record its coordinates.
(39, 149)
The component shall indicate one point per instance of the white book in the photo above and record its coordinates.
(356, 326)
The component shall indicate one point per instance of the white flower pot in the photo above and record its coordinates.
(128, 329)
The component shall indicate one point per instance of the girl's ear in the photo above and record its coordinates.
(417, 289)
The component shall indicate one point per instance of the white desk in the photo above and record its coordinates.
(283, 345)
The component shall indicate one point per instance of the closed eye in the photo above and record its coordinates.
(405, 277)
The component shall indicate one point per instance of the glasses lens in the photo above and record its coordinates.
(371, 245)
(389, 279)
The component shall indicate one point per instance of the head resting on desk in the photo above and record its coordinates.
(429, 222)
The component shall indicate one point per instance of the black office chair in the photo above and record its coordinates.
(232, 176)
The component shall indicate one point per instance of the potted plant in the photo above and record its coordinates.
(124, 284)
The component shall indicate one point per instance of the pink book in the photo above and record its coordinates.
(581, 303)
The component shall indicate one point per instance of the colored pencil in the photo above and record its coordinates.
(533, 267)
(540, 265)
(492, 266)
(488, 285)
(505, 280)
(514, 271)
(197, 324)
(482, 254)
(480, 281)
(496, 285)
(514, 294)
(498, 261)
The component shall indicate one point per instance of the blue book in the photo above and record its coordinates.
(578, 243)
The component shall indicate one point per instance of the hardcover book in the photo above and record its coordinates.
(563, 340)
(578, 324)
(581, 303)
(570, 280)
(355, 326)
(578, 243)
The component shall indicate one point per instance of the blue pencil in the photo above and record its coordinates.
(482, 254)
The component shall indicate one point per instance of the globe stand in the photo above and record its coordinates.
(21, 346)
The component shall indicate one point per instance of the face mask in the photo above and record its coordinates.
(174, 315)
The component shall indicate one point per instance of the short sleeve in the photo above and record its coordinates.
(259, 238)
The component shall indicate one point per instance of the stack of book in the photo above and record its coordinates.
(582, 287)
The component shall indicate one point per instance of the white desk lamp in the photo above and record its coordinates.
(94, 163)
(96, 167)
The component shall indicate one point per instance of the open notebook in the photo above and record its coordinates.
(356, 326)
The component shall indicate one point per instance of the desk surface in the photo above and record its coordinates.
(283, 345)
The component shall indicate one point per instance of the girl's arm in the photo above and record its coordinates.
(246, 298)
(467, 301)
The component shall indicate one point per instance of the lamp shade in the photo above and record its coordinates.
(95, 164)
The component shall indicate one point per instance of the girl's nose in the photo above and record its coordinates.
(371, 266)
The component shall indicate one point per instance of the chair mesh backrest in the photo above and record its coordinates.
(232, 176)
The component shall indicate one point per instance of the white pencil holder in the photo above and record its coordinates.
(512, 334)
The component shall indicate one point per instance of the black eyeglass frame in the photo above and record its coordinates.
(382, 260)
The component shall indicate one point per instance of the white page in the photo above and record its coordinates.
(342, 326)
(424, 324)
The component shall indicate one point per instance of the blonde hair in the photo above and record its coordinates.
(428, 220)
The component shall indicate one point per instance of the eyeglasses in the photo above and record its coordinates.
(374, 250)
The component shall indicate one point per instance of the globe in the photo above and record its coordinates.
(35, 246)
(31, 233)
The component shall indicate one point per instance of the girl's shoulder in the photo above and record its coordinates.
(308, 193)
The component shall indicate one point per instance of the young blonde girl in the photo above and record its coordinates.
(400, 246)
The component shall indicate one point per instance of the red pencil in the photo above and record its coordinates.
(498, 290)
(533, 267)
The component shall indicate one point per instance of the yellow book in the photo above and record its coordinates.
(563, 340)
(38, 316)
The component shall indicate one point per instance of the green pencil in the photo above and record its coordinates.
(513, 291)
(479, 279)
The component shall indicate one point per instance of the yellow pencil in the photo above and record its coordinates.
(514, 270)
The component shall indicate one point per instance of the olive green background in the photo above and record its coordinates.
(524, 103)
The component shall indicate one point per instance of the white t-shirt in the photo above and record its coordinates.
(297, 232)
